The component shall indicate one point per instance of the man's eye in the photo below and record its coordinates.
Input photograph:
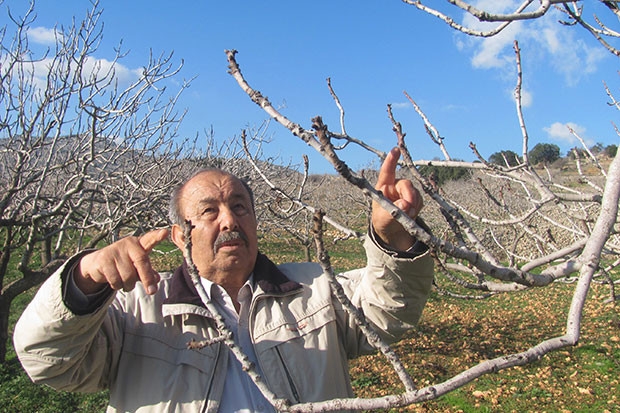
(208, 211)
(240, 209)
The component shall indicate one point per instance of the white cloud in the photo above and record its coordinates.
(491, 53)
(552, 41)
(401, 105)
(527, 98)
(92, 69)
(496, 51)
(101, 67)
(43, 35)
(570, 56)
(542, 39)
(561, 132)
(452, 107)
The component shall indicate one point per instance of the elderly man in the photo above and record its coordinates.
(106, 319)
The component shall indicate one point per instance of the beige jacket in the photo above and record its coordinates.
(136, 345)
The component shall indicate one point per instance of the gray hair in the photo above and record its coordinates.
(174, 209)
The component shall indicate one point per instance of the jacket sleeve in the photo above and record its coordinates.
(391, 291)
(62, 349)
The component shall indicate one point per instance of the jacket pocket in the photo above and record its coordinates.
(173, 353)
(163, 374)
(288, 321)
(302, 358)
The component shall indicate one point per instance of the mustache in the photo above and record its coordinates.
(224, 237)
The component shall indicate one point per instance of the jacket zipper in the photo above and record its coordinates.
(288, 376)
(251, 327)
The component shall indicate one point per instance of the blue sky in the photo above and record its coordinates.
(372, 51)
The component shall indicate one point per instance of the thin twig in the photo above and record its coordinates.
(373, 337)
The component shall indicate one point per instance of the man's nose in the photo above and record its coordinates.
(228, 220)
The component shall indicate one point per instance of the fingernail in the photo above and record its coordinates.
(151, 289)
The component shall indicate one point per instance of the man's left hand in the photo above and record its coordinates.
(403, 194)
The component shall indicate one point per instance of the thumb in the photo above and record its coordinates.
(149, 240)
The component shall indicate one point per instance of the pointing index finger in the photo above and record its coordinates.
(387, 173)
(147, 275)
(152, 238)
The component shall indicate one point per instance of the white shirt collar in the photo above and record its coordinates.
(210, 287)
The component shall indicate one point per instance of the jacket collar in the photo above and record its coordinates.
(267, 276)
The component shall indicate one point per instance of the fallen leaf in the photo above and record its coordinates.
(584, 391)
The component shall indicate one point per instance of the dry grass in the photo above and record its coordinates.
(455, 335)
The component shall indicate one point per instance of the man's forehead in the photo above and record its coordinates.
(213, 185)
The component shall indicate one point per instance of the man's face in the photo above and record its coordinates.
(224, 239)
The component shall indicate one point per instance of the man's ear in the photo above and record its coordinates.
(177, 235)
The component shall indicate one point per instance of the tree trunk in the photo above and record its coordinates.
(29, 280)
(5, 305)
(46, 251)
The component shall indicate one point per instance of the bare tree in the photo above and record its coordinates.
(285, 195)
(85, 154)
(83, 158)
(528, 229)
(542, 226)
(593, 20)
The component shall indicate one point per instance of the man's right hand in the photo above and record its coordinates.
(120, 265)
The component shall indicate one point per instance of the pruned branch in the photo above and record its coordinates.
(537, 198)
(373, 337)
